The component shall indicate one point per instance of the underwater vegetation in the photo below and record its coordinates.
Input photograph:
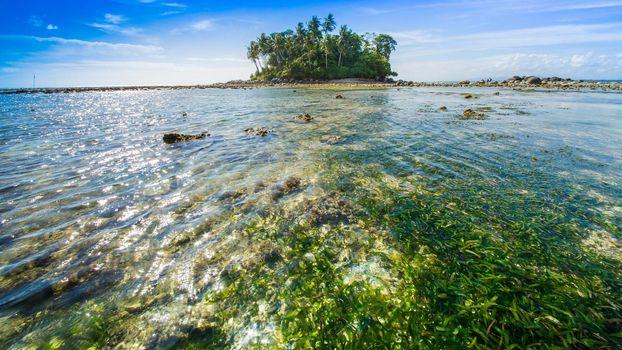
(388, 229)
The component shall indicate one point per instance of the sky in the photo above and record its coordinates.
(187, 42)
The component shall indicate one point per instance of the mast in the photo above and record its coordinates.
(34, 77)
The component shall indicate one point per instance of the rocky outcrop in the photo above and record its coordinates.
(174, 137)
(470, 114)
(257, 131)
(292, 184)
(531, 80)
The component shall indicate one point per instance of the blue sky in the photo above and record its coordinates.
(148, 42)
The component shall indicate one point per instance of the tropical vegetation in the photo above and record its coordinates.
(311, 51)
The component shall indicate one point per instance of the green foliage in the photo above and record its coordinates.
(312, 52)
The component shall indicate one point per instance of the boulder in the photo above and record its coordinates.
(174, 137)
(339, 97)
(531, 80)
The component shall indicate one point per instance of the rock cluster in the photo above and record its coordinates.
(513, 82)
(257, 131)
(174, 137)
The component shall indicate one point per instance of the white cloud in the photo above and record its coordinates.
(130, 48)
(51, 27)
(433, 43)
(216, 59)
(579, 65)
(203, 25)
(416, 37)
(168, 13)
(134, 72)
(111, 25)
(590, 5)
(174, 4)
(114, 19)
(198, 26)
(113, 28)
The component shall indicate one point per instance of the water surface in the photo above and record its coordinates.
(383, 222)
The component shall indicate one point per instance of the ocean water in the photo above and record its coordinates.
(111, 238)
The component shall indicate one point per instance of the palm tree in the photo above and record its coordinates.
(328, 26)
(342, 42)
(252, 54)
(385, 44)
(298, 52)
(263, 47)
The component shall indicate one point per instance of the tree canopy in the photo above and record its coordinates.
(312, 51)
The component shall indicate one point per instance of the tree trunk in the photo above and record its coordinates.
(326, 55)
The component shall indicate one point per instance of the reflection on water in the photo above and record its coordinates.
(110, 237)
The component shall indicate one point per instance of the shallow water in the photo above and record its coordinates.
(109, 237)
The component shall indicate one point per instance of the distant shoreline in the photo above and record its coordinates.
(343, 84)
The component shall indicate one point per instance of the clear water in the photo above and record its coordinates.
(100, 221)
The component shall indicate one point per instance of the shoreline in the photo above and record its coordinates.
(333, 85)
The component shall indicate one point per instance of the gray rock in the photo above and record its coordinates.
(533, 80)
(174, 137)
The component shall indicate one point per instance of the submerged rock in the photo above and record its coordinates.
(174, 137)
(332, 208)
(232, 196)
(305, 117)
(469, 96)
(332, 139)
(290, 185)
(257, 131)
(470, 114)
(442, 108)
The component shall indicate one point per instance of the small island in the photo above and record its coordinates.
(311, 51)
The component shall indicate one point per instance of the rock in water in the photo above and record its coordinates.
(339, 97)
(331, 139)
(442, 108)
(290, 185)
(533, 80)
(306, 117)
(470, 114)
(174, 137)
(257, 131)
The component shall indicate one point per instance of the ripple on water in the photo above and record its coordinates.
(103, 224)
